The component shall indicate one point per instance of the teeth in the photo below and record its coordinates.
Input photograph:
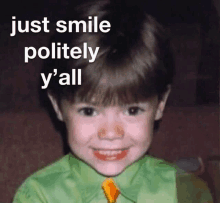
(110, 153)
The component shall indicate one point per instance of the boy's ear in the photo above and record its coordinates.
(55, 106)
(162, 104)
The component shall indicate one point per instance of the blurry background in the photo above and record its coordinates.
(190, 127)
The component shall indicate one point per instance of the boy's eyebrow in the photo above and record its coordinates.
(83, 104)
(142, 104)
(86, 104)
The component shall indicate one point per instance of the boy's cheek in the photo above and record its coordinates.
(81, 133)
(138, 128)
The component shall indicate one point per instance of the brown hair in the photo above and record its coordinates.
(134, 60)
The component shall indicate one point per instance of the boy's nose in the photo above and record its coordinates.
(111, 131)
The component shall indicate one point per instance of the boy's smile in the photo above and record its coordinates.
(111, 155)
(109, 138)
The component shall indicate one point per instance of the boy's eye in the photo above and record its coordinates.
(134, 111)
(88, 111)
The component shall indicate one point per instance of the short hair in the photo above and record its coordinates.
(134, 61)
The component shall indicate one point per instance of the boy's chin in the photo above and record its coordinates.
(110, 174)
(110, 170)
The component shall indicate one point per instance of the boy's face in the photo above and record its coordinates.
(110, 138)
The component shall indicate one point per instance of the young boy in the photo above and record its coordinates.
(110, 118)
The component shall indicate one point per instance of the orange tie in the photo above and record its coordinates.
(110, 189)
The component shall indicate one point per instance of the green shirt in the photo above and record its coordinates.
(150, 180)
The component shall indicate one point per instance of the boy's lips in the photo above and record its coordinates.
(110, 155)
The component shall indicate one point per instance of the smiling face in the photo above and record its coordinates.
(110, 138)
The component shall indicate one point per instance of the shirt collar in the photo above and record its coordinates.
(148, 179)
(130, 181)
(89, 181)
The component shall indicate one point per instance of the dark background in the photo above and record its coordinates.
(190, 126)
(194, 26)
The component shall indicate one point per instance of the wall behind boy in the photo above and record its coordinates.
(28, 141)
